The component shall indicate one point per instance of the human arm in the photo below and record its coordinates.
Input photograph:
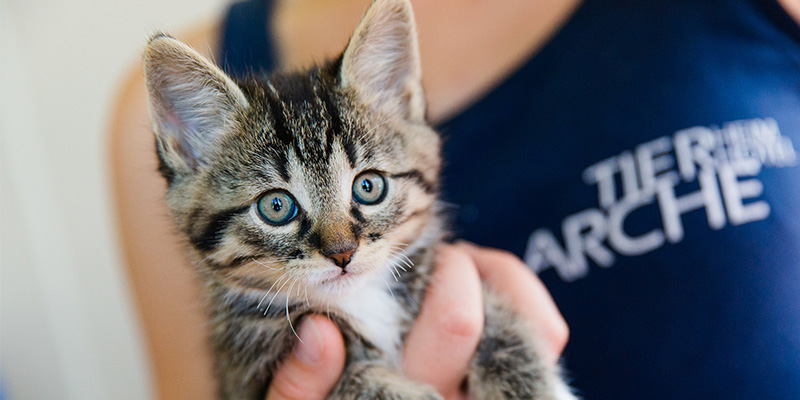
(160, 276)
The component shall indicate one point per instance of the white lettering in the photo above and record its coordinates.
(693, 148)
(627, 170)
(734, 191)
(724, 161)
(654, 160)
(544, 252)
(622, 242)
(584, 233)
(673, 207)
(602, 174)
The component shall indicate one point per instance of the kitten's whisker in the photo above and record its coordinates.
(408, 262)
(276, 295)
(388, 287)
(299, 280)
(399, 257)
(268, 290)
(267, 266)
(395, 263)
(398, 263)
(397, 270)
(394, 271)
(396, 249)
(287, 310)
(395, 253)
(327, 307)
(258, 307)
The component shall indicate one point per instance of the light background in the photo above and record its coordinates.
(68, 328)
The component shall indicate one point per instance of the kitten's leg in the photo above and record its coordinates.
(507, 364)
(368, 380)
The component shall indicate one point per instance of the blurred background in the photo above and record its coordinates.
(68, 328)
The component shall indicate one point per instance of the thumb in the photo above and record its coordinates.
(315, 364)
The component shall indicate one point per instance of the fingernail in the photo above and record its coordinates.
(309, 349)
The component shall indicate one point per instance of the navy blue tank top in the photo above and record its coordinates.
(644, 164)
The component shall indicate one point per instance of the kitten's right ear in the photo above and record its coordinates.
(192, 102)
(381, 62)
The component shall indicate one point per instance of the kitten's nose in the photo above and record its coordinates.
(343, 258)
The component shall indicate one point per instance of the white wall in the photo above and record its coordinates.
(67, 322)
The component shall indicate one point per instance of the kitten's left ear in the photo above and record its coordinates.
(381, 61)
(192, 102)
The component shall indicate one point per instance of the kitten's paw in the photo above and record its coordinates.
(366, 381)
(408, 393)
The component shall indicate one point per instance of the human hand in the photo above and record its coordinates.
(444, 337)
(315, 364)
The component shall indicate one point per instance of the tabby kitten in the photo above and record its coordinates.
(315, 192)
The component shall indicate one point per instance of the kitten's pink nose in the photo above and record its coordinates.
(343, 258)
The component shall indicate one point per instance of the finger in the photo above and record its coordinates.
(510, 277)
(446, 333)
(315, 364)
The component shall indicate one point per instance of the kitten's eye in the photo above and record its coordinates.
(277, 208)
(369, 188)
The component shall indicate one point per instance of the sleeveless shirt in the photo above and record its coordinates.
(644, 164)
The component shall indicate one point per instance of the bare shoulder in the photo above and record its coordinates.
(168, 305)
(792, 8)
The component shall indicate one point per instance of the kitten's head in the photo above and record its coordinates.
(321, 177)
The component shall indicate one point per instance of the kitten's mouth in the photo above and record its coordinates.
(345, 275)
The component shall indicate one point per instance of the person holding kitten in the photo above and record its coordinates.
(639, 156)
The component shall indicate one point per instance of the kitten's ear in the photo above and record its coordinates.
(381, 61)
(192, 102)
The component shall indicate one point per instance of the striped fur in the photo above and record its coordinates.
(222, 144)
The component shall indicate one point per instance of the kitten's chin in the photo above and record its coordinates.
(338, 283)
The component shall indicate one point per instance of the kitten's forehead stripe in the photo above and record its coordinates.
(278, 120)
(335, 125)
(311, 122)
(281, 164)
(350, 151)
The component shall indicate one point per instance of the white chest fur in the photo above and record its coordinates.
(374, 313)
